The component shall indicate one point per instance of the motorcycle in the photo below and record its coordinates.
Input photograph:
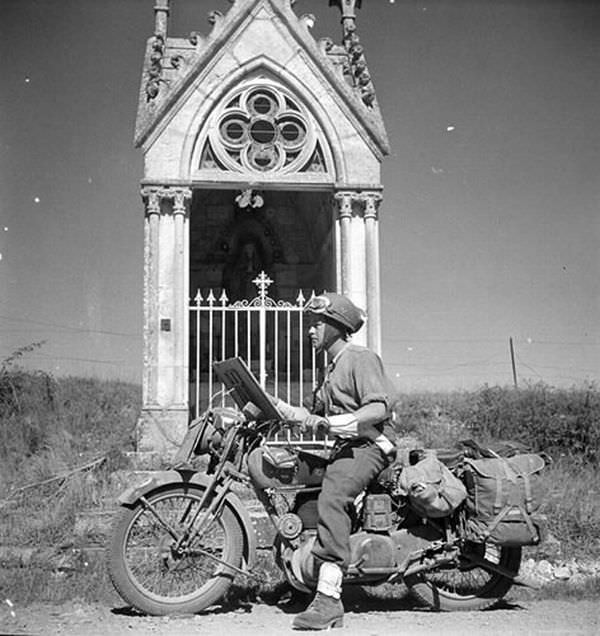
(181, 538)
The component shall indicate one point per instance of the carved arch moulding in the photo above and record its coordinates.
(262, 130)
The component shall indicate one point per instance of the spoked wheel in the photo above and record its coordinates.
(151, 575)
(467, 587)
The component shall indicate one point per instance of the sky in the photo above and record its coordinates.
(490, 224)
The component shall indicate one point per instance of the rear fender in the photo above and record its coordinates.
(163, 478)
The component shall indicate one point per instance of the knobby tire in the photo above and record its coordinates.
(467, 589)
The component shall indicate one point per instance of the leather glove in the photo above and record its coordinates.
(315, 424)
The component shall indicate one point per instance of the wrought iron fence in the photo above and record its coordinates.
(268, 334)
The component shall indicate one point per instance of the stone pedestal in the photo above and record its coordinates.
(161, 430)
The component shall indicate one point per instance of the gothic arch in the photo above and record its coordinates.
(262, 71)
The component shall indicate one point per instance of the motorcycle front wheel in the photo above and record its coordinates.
(467, 587)
(147, 571)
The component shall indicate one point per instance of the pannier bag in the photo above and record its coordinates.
(503, 497)
(432, 490)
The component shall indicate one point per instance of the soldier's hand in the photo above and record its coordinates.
(315, 424)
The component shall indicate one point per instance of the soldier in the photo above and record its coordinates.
(352, 404)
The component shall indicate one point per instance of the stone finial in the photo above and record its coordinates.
(347, 7)
(161, 17)
(356, 67)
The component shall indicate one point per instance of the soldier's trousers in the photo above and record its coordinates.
(354, 466)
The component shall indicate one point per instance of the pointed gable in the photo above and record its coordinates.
(208, 92)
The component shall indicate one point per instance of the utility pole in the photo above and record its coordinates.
(512, 360)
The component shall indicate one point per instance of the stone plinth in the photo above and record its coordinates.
(161, 430)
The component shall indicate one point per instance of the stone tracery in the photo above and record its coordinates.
(263, 129)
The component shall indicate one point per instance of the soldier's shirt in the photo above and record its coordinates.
(355, 377)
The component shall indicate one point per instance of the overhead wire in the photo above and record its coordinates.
(71, 328)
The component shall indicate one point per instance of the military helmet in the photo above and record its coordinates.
(338, 308)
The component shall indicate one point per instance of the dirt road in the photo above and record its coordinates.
(364, 617)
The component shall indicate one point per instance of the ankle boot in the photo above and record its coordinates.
(324, 612)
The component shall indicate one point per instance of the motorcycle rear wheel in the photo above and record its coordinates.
(468, 588)
(149, 576)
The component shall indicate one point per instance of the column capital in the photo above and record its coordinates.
(345, 200)
(154, 195)
(371, 201)
(359, 202)
(180, 197)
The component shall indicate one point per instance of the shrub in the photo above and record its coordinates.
(562, 422)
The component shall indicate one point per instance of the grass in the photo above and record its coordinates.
(559, 421)
(50, 426)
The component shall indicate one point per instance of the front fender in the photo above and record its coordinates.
(164, 478)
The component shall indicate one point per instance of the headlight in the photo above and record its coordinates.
(205, 435)
(224, 418)
(214, 424)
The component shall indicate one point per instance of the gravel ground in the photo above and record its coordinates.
(364, 617)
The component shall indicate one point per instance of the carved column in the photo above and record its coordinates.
(181, 197)
(344, 219)
(358, 258)
(164, 417)
(372, 202)
(151, 224)
(352, 251)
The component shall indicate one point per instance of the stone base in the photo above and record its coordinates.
(161, 430)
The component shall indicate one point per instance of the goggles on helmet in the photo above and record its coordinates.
(318, 304)
(336, 308)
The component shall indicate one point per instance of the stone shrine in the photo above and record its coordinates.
(262, 151)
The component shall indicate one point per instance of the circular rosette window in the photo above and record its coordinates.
(263, 129)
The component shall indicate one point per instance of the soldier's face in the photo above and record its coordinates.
(322, 334)
(316, 334)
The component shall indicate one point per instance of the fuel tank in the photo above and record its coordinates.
(279, 466)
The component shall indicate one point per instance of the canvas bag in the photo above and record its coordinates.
(432, 490)
(503, 497)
